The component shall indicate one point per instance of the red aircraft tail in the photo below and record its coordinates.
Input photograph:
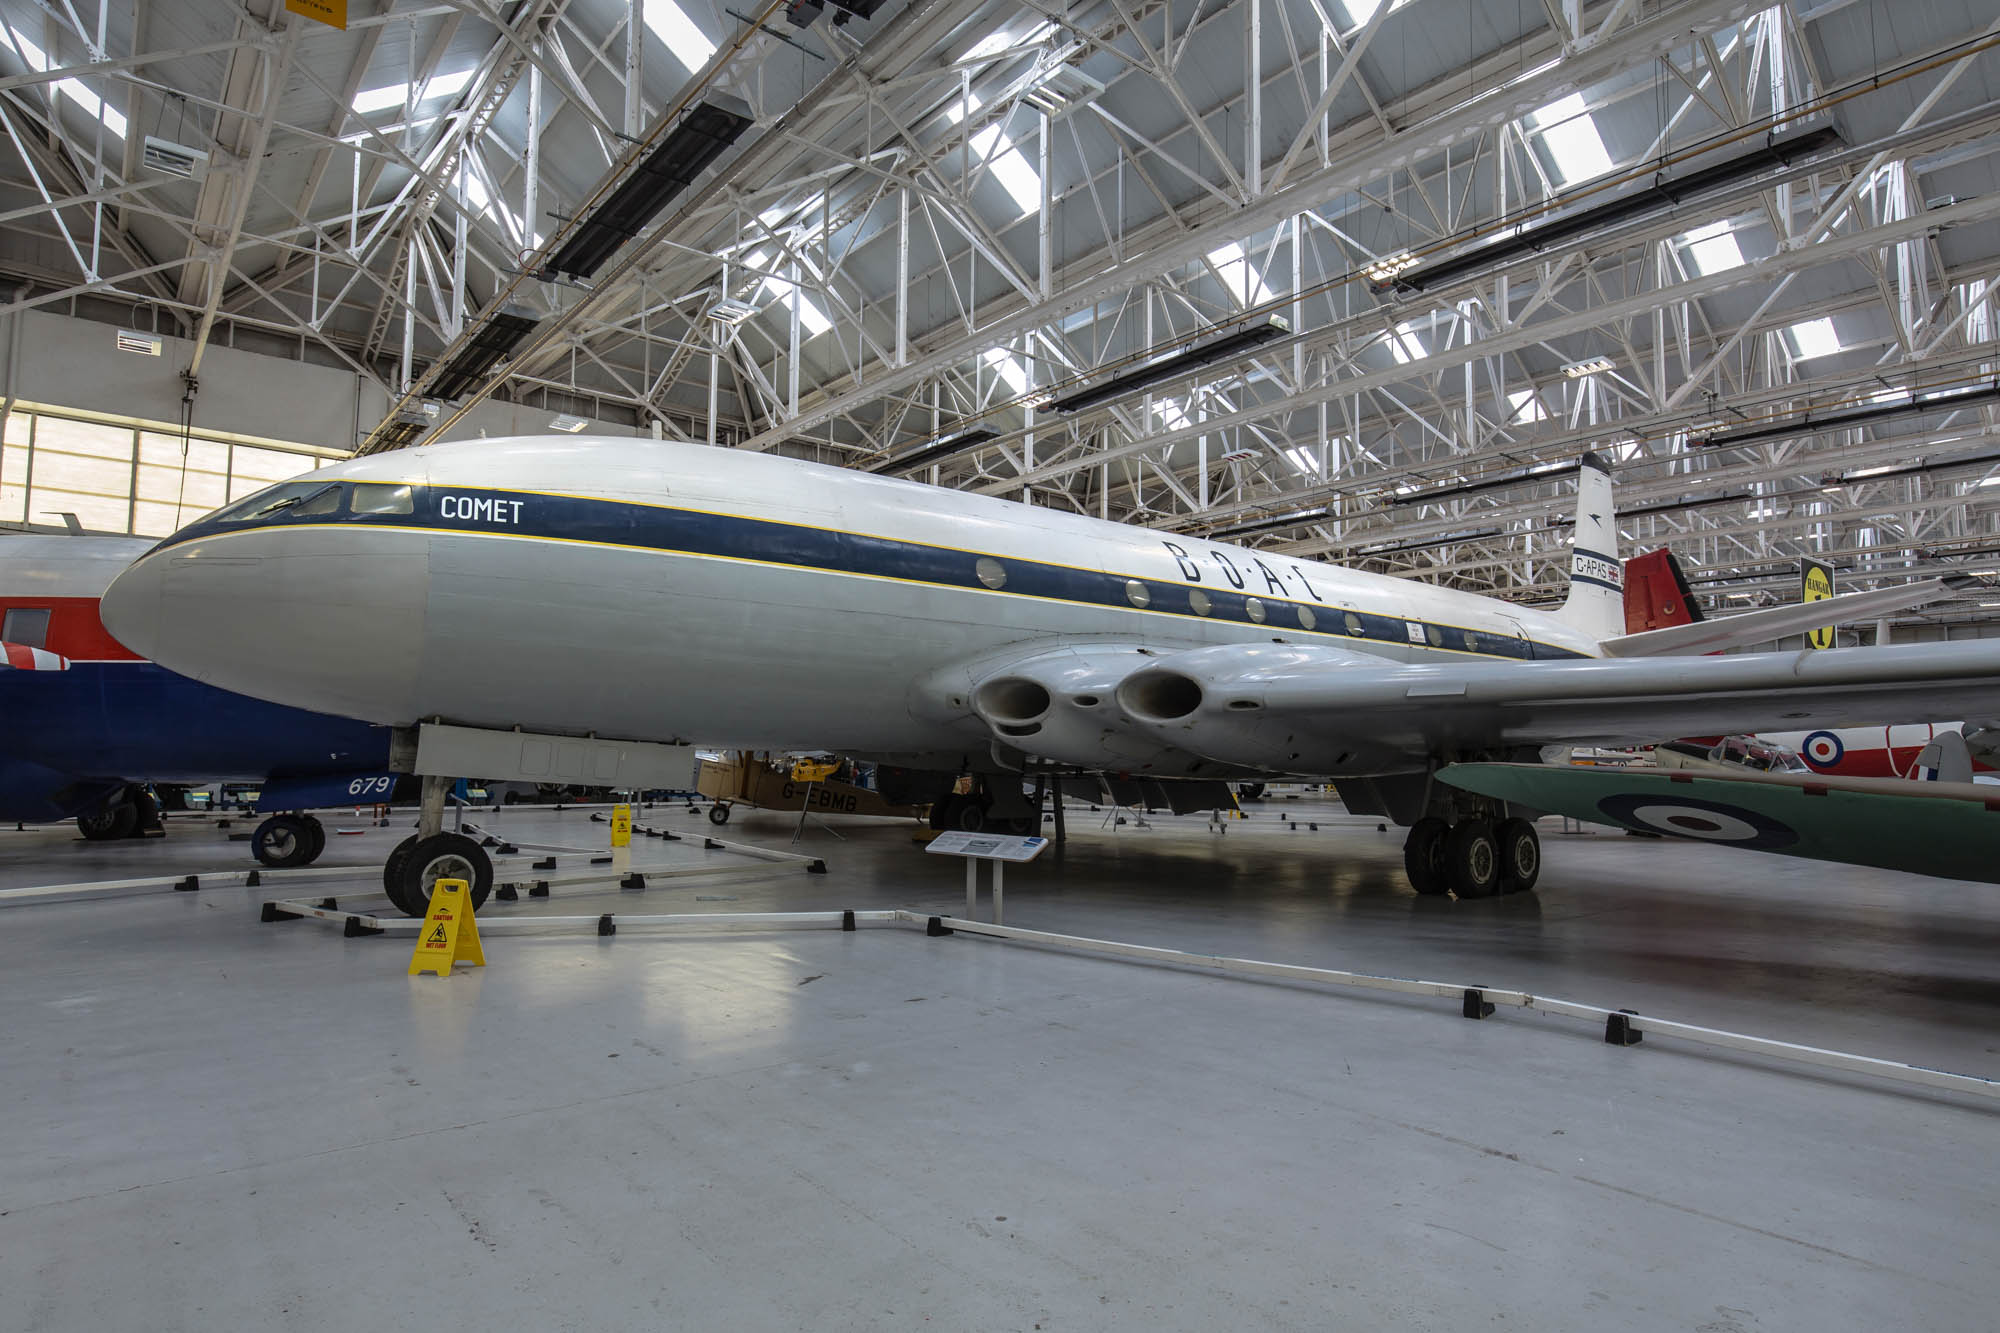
(1656, 593)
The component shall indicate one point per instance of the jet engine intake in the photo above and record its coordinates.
(1062, 707)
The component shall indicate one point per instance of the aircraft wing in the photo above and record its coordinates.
(1300, 708)
(1948, 829)
(1772, 623)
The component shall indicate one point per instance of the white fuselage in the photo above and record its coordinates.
(663, 591)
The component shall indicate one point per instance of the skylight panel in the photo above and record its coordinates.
(1305, 458)
(1020, 180)
(998, 41)
(812, 320)
(1713, 248)
(1523, 406)
(1171, 414)
(75, 89)
(1358, 12)
(671, 25)
(1011, 371)
(1813, 337)
(1576, 150)
(1238, 276)
(370, 100)
(1405, 346)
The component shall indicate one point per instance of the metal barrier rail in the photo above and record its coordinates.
(1622, 1027)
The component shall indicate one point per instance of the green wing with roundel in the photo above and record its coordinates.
(1948, 829)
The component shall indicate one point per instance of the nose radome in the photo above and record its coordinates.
(329, 620)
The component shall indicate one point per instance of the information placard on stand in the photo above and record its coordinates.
(997, 848)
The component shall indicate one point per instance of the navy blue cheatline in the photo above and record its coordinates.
(729, 536)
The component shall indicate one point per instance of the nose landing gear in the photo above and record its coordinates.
(432, 854)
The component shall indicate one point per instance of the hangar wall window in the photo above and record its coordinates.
(119, 476)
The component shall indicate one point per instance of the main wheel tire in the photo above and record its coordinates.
(116, 820)
(1423, 857)
(718, 814)
(283, 841)
(1472, 857)
(970, 816)
(416, 866)
(146, 821)
(318, 831)
(1520, 855)
(1250, 791)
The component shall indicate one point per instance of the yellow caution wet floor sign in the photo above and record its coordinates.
(621, 826)
(450, 934)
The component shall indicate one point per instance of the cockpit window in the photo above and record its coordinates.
(319, 505)
(276, 500)
(380, 499)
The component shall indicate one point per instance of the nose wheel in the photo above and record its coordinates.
(418, 863)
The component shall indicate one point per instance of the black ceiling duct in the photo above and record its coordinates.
(1915, 404)
(1539, 472)
(497, 335)
(935, 451)
(1662, 194)
(700, 136)
(1298, 518)
(1216, 346)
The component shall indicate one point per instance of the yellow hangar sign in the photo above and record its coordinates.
(1816, 585)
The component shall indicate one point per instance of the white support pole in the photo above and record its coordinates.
(971, 889)
(635, 33)
(902, 277)
(409, 309)
(532, 173)
(1253, 147)
(999, 891)
(1047, 222)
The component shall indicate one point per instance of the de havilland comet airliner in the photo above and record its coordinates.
(674, 594)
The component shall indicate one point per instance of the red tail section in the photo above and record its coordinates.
(1656, 593)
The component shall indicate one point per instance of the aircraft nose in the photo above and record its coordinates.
(322, 619)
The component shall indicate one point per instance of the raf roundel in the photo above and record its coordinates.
(1692, 817)
(1822, 749)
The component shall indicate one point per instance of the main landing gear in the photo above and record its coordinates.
(431, 854)
(988, 808)
(130, 813)
(288, 840)
(1475, 857)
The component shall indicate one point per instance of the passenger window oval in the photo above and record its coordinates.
(991, 572)
(1253, 609)
(1199, 602)
(1354, 623)
(1306, 618)
(1137, 594)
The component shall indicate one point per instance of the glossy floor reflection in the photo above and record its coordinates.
(213, 1122)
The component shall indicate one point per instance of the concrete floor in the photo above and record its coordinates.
(212, 1122)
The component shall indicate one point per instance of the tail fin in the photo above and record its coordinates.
(1657, 593)
(1596, 604)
